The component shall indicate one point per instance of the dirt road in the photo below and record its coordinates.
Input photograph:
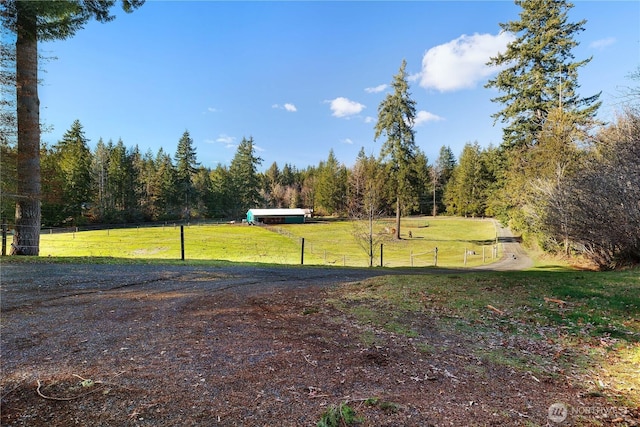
(514, 258)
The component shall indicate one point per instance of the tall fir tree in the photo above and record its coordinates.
(540, 72)
(167, 195)
(465, 193)
(441, 173)
(74, 159)
(539, 76)
(396, 117)
(244, 176)
(186, 168)
(331, 185)
(34, 21)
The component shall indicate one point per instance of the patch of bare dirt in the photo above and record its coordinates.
(168, 346)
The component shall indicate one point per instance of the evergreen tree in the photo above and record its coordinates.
(288, 175)
(203, 190)
(422, 172)
(440, 175)
(466, 191)
(53, 204)
(245, 179)
(540, 72)
(167, 198)
(222, 193)
(331, 185)
(149, 188)
(396, 116)
(186, 168)
(34, 21)
(74, 159)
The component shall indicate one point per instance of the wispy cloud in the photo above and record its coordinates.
(376, 89)
(344, 107)
(213, 110)
(602, 43)
(288, 106)
(369, 119)
(425, 116)
(224, 139)
(461, 63)
(348, 141)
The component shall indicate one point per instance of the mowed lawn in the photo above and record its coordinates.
(326, 243)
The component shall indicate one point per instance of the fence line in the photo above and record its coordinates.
(315, 251)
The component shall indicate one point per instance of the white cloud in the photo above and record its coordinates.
(461, 63)
(213, 110)
(288, 106)
(425, 116)
(347, 141)
(228, 141)
(602, 43)
(369, 119)
(344, 107)
(258, 148)
(376, 89)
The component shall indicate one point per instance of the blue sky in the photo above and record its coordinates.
(303, 78)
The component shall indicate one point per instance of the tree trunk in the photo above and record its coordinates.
(398, 217)
(26, 240)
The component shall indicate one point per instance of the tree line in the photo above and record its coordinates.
(115, 183)
(560, 177)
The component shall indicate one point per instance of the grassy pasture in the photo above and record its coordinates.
(595, 334)
(326, 243)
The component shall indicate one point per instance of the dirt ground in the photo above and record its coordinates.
(139, 345)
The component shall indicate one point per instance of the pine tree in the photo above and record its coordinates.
(440, 175)
(74, 159)
(540, 72)
(396, 116)
(34, 21)
(466, 192)
(186, 168)
(331, 185)
(167, 198)
(244, 177)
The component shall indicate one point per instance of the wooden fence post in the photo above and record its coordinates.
(182, 242)
(381, 258)
(302, 253)
(4, 239)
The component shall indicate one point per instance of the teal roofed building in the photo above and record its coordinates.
(276, 216)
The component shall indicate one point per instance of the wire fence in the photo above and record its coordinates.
(207, 241)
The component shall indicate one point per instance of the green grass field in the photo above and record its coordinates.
(326, 243)
(595, 333)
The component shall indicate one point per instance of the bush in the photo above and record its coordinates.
(338, 416)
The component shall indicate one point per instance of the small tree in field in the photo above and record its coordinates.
(366, 206)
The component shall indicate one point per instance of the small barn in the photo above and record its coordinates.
(276, 216)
